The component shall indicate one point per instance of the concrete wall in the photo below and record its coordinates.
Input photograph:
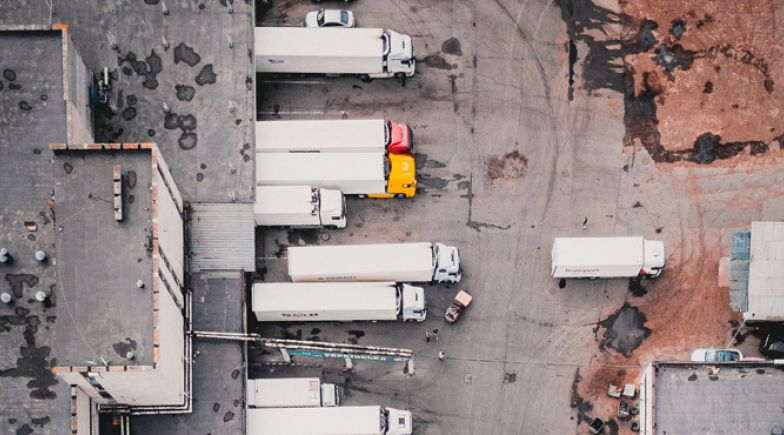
(84, 414)
(77, 79)
(171, 235)
(647, 401)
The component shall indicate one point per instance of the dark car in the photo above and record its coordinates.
(772, 347)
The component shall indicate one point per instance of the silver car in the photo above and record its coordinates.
(330, 18)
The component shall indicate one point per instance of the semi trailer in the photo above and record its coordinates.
(374, 175)
(343, 420)
(337, 301)
(291, 393)
(365, 52)
(331, 136)
(299, 206)
(401, 262)
(606, 257)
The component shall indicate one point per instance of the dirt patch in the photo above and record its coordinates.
(704, 67)
(508, 167)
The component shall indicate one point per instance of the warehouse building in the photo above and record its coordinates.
(727, 398)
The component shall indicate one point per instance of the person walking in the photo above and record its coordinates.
(427, 336)
(441, 356)
(435, 334)
(585, 223)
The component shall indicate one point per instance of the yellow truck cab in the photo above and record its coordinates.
(401, 177)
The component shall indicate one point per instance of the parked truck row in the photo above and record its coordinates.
(303, 170)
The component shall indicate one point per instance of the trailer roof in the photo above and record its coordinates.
(335, 135)
(285, 296)
(283, 200)
(339, 260)
(597, 251)
(341, 420)
(322, 42)
(294, 167)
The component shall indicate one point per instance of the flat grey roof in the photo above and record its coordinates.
(29, 391)
(739, 399)
(218, 301)
(103, 314)
(218, 395)
(766, 276)
(205, 76)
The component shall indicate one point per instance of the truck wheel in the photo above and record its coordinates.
(361, 195)
(400, 195)
(365, 78)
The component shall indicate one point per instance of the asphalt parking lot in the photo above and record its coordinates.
(506, 162)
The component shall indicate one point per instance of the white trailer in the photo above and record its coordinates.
(336, 301)
(291, 393)
(606, 257)
(351, 173)
(343, 420)
(371, 53)
(299, 206)
(341, 135)
(401, 262)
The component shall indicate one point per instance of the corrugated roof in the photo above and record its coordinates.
(222, 237)
(739, 270)
(766, 274)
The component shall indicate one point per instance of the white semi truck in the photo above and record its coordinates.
(299, 206)
(369, 53)
(342, 420)
(338, 301)
(291, 393)
(401, 262)
(338, 135)
(606, 257)
(375, 175)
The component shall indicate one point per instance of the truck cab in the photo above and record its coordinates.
(413, 302)
(398, 422)
(399, 51)
(332, 208)
(447, 263)
(401, 177)
(330, 395)
(399, 138)
(654, 258)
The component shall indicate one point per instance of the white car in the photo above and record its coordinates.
(330, 18)
(716, 355)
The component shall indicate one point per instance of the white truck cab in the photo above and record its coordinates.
(654, 258)
(447, 263)
(399, 422)
(413, 303)
(399, 54)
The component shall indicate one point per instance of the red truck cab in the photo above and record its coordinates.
(399, 138)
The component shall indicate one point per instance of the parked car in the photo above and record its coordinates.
(772, 347)
(716, 355)
(330, 18)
